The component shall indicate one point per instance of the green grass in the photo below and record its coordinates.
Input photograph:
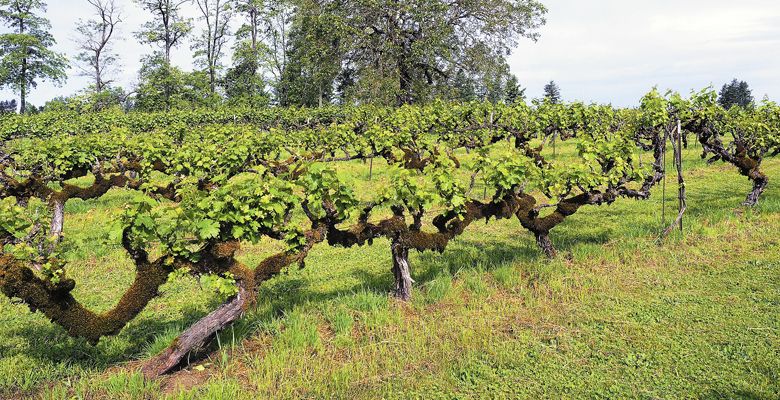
(617, 315)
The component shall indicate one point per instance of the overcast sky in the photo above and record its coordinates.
(607, 51)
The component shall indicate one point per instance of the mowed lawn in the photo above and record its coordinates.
(619, 313)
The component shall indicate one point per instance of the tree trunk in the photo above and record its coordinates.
(401, 271)
(197, 335)
(545, 244)
(254, 24)
(57, 221)
(760, 182)
(405, 94)
(23, 95)
(23, 75)
(98, 78)
(681, 196)
(751, 168)
(213, 78)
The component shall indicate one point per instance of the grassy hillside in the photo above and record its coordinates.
(619, 314)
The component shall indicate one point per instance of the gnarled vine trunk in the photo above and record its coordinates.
(57, 206)
(760, 182)
(58, 304)
(401, 271)
(198, 335)
(545, 244)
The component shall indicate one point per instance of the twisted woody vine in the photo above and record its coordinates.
(212, 181)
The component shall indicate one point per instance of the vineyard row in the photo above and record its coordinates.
(213, 180)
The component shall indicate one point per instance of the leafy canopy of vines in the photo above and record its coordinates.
(213, 180)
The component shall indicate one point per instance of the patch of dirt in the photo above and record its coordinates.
(185, 379)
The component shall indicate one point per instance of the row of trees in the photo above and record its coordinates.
(287, 52)
(735, 93)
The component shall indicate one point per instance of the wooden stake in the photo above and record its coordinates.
(681, 197)
(680, 180)
(663, 186)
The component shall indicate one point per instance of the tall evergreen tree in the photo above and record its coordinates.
(735, 93)
(26, 52)
(477, 80)
(493, 80)
(315, 51)
(552, 93)
(463, 87)
(344, 83)
(8, 106)
(514, 92)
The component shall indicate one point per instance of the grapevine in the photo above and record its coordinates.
(212, 180)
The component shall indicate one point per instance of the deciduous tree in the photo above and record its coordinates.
(402, 48)
(163, 86)
(27, 57)
(168, 27)
(97, 56)
(165, 31)
(315, 54)
(216, 15)
(243, 82)
(277, 18)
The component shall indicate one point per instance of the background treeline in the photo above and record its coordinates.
(288, 52)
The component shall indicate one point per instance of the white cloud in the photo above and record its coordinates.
(600, 50)
(615, 51)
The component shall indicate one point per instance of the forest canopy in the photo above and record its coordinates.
(288, 53)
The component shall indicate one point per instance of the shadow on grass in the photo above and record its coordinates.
(737, 394)
(470, 252)
(48, 342)
(590, 226)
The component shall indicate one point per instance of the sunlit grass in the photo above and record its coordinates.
(617, 315)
